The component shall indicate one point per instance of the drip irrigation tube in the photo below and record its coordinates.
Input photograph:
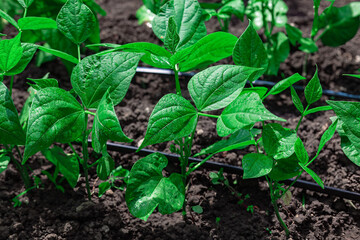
(238, 170)
(257, 82)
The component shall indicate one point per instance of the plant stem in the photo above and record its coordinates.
(208, 115)
(86, 157)
(11, 85)
(91, 113)
(79, 55)
(25, 13)
(22, 170)
(177, 83)
(305, 63)
(301, 118)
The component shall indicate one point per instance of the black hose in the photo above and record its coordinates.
(257, 82)
(238, 170)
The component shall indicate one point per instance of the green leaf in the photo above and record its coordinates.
(313, 91)
(8, 18)
(173, 117)
(25, 111)
(317, 109)
(245, 110)
(55, 116)
(284, 84)
(106, 125)
(296, 100)
(11, 131)
(308, 45)
(148, 188)
(350, 150)
(27, 54)
(235, 7)
(105, 166)
(285, 168)
(10, 53)
(68, 164)
(172, 38)
(188, 18)
(278, 141)
(216, 87)
(143, 14)
(154, 55)
(43, 83)
(76, 21)
(301, 152)
(25, 3)
(94, 75)
(277, 53)
(4, 161)
(36, 23)
(261, 91)
(250, 51)
(353, 75)
(59, 54)
(198, 209)
(103, 187)
(239, 137)
(313, 175)
(294, 34)
(328, 134)
(207, 50)
(256, 165)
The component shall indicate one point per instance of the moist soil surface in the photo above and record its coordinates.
(47, 213)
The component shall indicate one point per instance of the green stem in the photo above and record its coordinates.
(177, 82)
(78, 50)
(11, 85)
(301, 118)
(305, 63)
(25, 12)
(272, 16)
(287, 189)
(91, 113)
(208, 115)
(266, 27)
(22, 169)
(198, 165)
(86, 157)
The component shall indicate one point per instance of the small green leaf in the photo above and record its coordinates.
(11, 131)
(317, 109)
(313, 175)
(8, 18)
(313, 91)
(249, 51)
(103, 187)
(173, 117)
(236, 7)
(198, 209)
(43, 83)
(60, 54)
(296, 100)
(285, 168)
(294, 34)
(10, 53)
(25, 3)
(172, 37)
(105, 166)
(308, 45)
(148, 188)
(4, 161)
(353, 75)
(68, 164)
(28, 53)
(328, 134)
(106, 125)
(76, 21)
(36, 23)
(244, 111)
(284, 84)
(256, 165)
(55, 116)
(216, 87)
(188, 18)
(301, 152)
(278, 141)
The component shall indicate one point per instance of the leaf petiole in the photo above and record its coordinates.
(207, 115)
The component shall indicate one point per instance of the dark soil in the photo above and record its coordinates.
(49, 214)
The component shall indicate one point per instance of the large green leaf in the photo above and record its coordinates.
(256, 165)
(27, 54)
(4, 161)
(244, 111)
(94, 75)
(11, 131)
(68, 164)
(278, 141)
(250, 51)
(216, 87)
(105, 166)
(206, 51)
(25, 3)
(173, 117)
(76, 21)
(106, 125)
(284, 84)
(36, 23)
(147, 188)
(188, 18)
(313, 91)
(10, 53)
(55, 116)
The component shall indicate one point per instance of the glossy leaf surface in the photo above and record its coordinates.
(28, 53)
(36, 23)
(313, 91)
(10, 53)
(256, 165)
